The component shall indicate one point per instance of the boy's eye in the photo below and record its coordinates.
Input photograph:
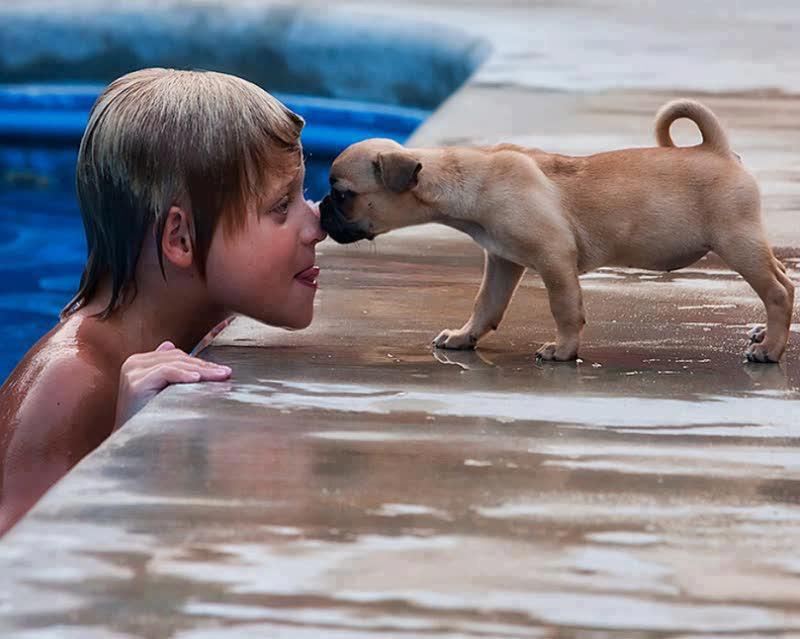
(282, 207)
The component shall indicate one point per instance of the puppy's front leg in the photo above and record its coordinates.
(500, 279)
(560, 277)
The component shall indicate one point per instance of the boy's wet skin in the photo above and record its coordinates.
(89, 375)
(60, 401)
(64, 390)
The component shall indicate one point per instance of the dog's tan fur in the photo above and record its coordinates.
(658, 208)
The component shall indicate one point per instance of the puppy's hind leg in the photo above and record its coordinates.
(758, 333)
(751, 257)
(500, 280)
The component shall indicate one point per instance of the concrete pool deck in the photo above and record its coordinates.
(350, 482)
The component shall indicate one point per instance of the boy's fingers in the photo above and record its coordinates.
(160, 374)
(181, 373)
(177, 357)
(209, 365)
(159, 377)
(161, 355)
(215, 374)
(178, 375)
(204, 363)
(206, 370)
(165, 346)
(158, 369)
(202, 366)
(219, 368)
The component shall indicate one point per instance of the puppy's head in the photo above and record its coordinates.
(373, 187)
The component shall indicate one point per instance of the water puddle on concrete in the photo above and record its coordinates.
(757, 414)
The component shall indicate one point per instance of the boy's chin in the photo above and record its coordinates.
(295, 323)
(290, 317)
(299, 326)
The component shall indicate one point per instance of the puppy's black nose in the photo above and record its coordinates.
(326, 209)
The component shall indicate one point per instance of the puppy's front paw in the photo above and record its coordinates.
(459, 340)
(757, 334)
(756, 352)
(550, 352)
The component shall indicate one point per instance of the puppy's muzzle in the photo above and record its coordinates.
(335, 224)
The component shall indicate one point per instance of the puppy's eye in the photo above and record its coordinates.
(342, 196)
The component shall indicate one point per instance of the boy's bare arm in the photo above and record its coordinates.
(64, 415)
(51, 419)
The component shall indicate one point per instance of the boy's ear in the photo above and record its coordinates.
(177, 243)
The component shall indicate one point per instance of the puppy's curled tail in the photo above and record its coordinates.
(714, 136)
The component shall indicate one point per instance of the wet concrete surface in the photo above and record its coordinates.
(351, 482)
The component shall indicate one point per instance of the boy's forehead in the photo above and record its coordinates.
(293, 168)
(295, 175)
(284, 180)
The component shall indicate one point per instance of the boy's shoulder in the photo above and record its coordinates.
(66, 382)
(56, 407)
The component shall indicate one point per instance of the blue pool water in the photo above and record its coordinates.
(41, 257)
(42, 248)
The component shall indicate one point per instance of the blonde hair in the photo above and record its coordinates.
(157, 137)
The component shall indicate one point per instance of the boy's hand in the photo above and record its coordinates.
(144, 375)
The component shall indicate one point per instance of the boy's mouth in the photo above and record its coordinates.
(308, 276)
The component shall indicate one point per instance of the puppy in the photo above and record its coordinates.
(660, 209)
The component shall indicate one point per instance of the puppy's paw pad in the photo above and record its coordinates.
(455, 339)
(551, 353)
(757, 334)
(758, 354)
(547, 352)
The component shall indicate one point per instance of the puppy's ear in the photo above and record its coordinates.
(397, 170)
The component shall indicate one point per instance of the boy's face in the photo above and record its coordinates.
(267, 269)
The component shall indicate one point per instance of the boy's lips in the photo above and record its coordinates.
(308, 276)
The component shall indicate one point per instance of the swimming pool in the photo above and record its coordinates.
(42, 248)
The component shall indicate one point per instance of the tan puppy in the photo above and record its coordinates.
(659, 208)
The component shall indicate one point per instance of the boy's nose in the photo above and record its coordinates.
(314, 206)
(321, 235)
(313, 232)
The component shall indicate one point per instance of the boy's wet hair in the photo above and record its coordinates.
(159, 137)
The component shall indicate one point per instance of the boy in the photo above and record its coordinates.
(191, 191)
